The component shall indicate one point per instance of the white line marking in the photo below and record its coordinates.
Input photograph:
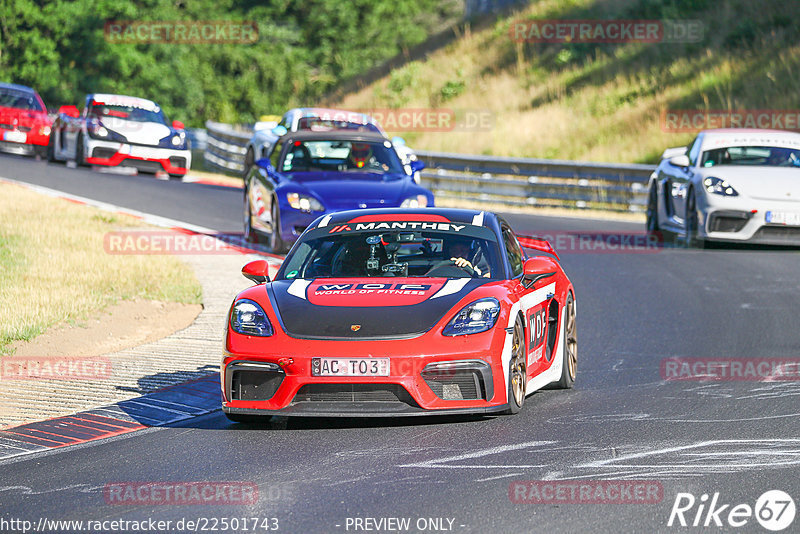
(437, 463)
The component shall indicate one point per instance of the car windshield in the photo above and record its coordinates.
(770, 156)
(316, 124)
(13, 98)
(342, 156)
(128, 113)
(407, 253)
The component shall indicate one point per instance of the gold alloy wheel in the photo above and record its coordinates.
(571, 337)
(518, 367)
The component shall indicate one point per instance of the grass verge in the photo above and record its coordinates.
(54, 268)
(597, 101)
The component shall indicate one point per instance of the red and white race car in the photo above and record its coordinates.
(24, 124)
(396, 312)
(118, 130)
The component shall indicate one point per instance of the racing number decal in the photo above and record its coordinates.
(538, 328)
(538, 322)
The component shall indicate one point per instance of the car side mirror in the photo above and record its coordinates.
(416, 166)
(265, 164)
(680, 161)
(257, 271)
(69, 111)
(538, 268)
(280, 130)
(178, 125)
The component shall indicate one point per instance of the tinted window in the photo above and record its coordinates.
(276, 154)
(412, 252)
(694, 150)
(342, 156)
(770, 156)
(515, 256)
(127, 113)
(13, 98)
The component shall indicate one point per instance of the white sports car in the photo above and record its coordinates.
(734, 185)
(120, 130)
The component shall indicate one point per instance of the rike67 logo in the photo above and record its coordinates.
(774, 510)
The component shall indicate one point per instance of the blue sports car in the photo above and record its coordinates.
(308, 174)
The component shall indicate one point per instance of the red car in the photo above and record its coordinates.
(24, 124)
(397, 312)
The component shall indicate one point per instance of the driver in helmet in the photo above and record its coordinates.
(360, 155)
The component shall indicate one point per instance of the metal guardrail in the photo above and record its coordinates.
(225, 147)
(491, 179)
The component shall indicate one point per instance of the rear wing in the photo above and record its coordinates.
(537, 243)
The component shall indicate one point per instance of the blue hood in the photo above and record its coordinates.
(339, 190)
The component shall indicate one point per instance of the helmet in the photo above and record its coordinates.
(360, 154)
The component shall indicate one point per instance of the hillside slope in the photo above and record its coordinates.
(598, 101)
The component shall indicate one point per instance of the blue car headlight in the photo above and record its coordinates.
(249, 319)
(304, 202)
(478, 316)
(176, 140)
(718, 186)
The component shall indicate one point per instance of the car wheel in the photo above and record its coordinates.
(692, 223)
(51, 148)
(173, 176)
(517, 371)
(249, 160)
(569, 366)
(652, 211)
(80, 160)
(249, 235)
(276, 244)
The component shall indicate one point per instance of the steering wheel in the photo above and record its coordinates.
(442, 267)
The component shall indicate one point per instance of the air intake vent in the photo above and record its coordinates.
(455, 384)
(382, 393)
(253, 382)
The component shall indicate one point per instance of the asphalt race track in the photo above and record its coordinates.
(621, 422)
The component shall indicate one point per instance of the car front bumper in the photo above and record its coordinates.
(744, 220)
(143, 158)
(430, 374)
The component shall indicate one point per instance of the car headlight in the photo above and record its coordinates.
(45, 130)
(478, 316)
(249, 319)
(304, 202)
(98, 131)
(176, 140)
(418, 201)
(718, 186)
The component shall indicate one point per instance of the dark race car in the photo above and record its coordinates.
(308, 174)
(400, 312)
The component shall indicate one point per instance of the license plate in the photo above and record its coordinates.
(788, 218)
(350, 366)
(14, 137)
